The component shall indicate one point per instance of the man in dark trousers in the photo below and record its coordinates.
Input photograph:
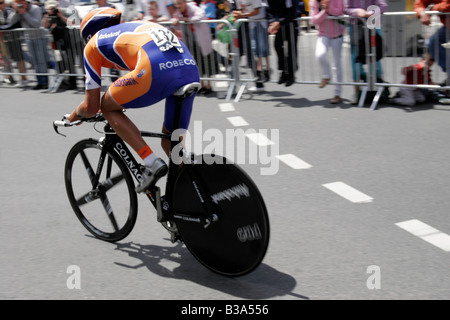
(439, 53)
(281, 15)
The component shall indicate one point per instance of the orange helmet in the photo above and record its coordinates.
(98, 19)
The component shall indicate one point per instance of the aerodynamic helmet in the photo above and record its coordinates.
(98, 19)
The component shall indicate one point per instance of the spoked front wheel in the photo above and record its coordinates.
(101, 191)
(236, 243)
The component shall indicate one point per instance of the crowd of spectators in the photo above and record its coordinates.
(266, 17)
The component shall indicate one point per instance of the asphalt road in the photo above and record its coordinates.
(323, 245)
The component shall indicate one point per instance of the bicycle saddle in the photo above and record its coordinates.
(187, 90)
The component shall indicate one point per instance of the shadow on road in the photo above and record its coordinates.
(176, 262)
(280, 99)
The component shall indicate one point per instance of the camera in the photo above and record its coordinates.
(55, 11)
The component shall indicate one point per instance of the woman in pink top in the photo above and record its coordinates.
(330, 36)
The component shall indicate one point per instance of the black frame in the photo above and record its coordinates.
(162, 203)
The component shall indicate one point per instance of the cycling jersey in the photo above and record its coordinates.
(158, 62)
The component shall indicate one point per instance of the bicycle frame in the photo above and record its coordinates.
(161, 202)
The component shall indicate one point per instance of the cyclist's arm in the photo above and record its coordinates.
(89, 107)
(93, 62)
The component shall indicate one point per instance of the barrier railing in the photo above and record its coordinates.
(403, 36)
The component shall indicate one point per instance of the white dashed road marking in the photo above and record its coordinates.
(426, 233)
(226, 107)
(238, 121)
(259, 139)
(348, 192)
(293, 161)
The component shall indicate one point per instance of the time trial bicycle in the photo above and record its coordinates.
(210, 204)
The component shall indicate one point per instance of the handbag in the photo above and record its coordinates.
(359, 39)
(223, 34)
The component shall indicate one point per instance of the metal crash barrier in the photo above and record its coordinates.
(237, 62)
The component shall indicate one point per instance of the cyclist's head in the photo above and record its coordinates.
(98, 19)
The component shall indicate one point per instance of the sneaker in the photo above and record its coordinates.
(336, 100)
(290, 80)
(259, 87)
(9, 80)
(152, 174)
(283, 78)
(324, 83)
(259, 76)
(266, 75)
(22, 84)
(206, 91)
(40, 86)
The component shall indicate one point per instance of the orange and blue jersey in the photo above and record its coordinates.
(158, 65)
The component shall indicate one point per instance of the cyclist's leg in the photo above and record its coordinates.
(121, 124)
(127, 130)
(168, 125)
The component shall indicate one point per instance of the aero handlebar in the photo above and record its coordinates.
(64, 122)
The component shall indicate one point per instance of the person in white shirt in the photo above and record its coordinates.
(165, 7)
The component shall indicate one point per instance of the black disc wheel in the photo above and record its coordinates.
(236, 243)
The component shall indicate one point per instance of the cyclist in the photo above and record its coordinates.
(158, 65)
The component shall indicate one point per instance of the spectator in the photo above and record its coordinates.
(223, 9)
(198, 39)
(358, 9)
(56, 22)
(30, 16)
(260, 43)
(153, 11)
(165, 8)
(330, 35)
(103, 3)
(254, 37)
(441, 36)
(419, 73)
(5, 38)
(224, 35)
(142, 7)
(281, 15)
(210, 8)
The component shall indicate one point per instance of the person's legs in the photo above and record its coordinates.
(122, 125)
(38, 52)
(279, 49)
(406, 97)
(336, 45)
(292, 63)
(435, 47)
(169, 115)
(155, 168)
(322, 56)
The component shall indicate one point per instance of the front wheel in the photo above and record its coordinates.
(236, 243)
(100, 190)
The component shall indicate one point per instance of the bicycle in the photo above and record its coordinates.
(210, 204)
